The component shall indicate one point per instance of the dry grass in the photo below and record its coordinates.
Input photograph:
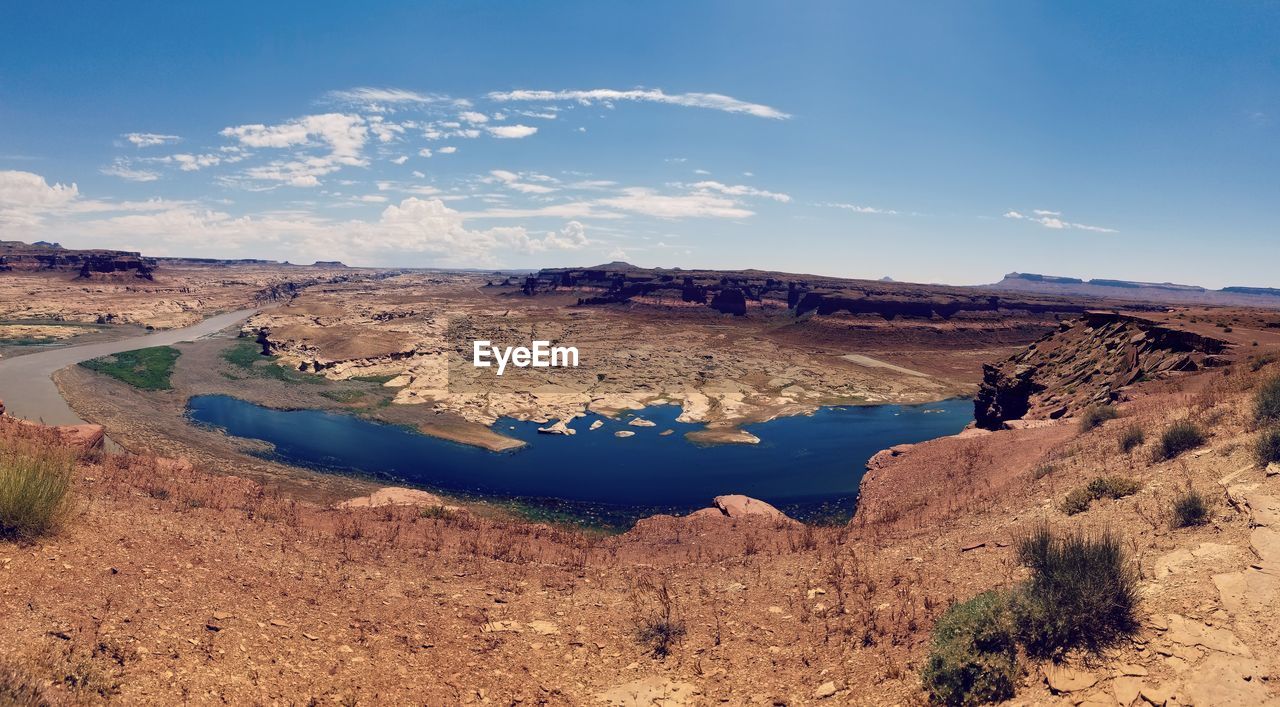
(35, 481)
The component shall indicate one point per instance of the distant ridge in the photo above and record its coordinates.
(1157, 292)
(615, 265)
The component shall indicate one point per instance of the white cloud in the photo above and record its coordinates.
(424, 152)
(400, 160)
(447, 150)
(473, 117)
(423, 226)
(514, 181)
(344, 134)
(150, 139)
(713, 101)
(387, 99)
(192, 163)
(646, 201)
(859, 209)
(741, 190)
(1051, 220)
(123, 170)
(511, 131)
(24, 196)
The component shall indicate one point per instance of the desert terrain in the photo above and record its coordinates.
(189, 568)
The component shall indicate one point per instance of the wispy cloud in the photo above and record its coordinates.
(712, 101)
(740, 190)
(1053, 220)
(123, 170)
(860, 209)
(383, 99)
(150, 139)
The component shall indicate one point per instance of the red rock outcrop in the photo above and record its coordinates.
(1087, 362)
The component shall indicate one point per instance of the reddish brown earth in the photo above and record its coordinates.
(169, 584)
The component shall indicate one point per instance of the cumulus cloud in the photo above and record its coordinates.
(414, 225)
(150, 139)
(24, 196)
(473, 117)
(511, 131)
(1052, 220)
(713, 101)
(343, 134)
(447, 150)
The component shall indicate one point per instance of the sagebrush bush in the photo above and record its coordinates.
(1082, 592)
(1180, 437)
(1077, 501)
(1094, 415)
(1267, 401)
(974, 655)
(1190, 508)
(35, 484)
(1132, 438)
(1267, 448)
(1113, 487)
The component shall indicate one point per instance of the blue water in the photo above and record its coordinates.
(808, 466)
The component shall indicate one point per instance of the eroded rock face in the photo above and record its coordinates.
(15, 255)
(1087, 362)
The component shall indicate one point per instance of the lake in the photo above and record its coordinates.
(809, 466)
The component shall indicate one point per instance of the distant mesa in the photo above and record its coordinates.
(744, 292)
(616, 265)
(1152, 292)
(43, 256)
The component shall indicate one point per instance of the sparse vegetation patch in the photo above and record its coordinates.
(974, 656)
(148, 369)
(1094, 415)
(1132, 438)
(1078, 500)
(1267, 449)
(1082, 592)
(1190, 508)
(1181, 437)
(1267, 402)
(35, 485)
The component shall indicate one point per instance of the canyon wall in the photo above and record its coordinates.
(1086, 362)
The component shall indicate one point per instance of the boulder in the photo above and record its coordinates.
(396, 496)
(739, 506)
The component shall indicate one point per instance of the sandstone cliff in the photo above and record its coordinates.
(1087, 362)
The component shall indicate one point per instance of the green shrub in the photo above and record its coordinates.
(1267, 401)
(1267, 448)
(35, 485)
(1190, 508)
(1182, 436)
(1113, 487)
(1094, 415)
(148, 369)
(1082, 592)
(1132, 438)
(974, 656)
(1077, 501)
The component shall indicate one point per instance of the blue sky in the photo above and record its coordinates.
(933, 142)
